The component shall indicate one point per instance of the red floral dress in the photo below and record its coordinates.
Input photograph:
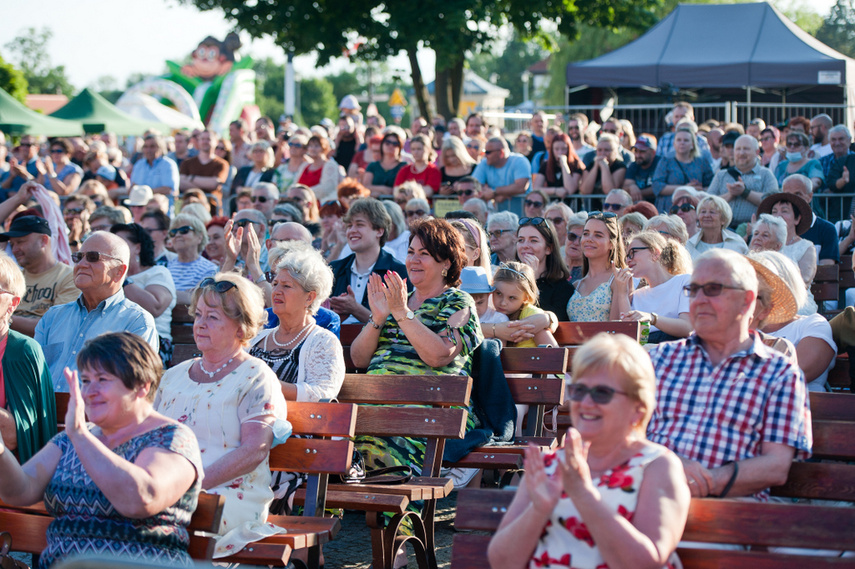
(565, 541)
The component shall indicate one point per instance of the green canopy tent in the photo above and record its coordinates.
(97, 114)
(16, 119)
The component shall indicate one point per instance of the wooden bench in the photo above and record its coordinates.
(182, 325)
(577, 333)
(826, 285)
(710, 521)
(431, 407)
(838, 376)
(28, 526)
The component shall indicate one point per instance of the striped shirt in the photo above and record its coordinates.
(188, 275)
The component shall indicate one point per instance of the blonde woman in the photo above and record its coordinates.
(454, 164)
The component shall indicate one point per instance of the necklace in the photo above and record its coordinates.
(211, 374)
(287, 345)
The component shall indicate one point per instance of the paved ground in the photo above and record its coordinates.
(351, 549)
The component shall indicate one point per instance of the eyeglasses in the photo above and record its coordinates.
(532, 203)
(532, 221)
(794, 144)
(600, 394)
(474, 146)
(710, 289)
(612, 206)
(391, 142)
(556, 220)
(497, 233)
(488, 152)
(245, 222)
(221, 148)
(295, 145)
(259, 199)
(468, 192)
(609, 131)
(91, 256)
(73, 211)
(686, 207)
(219, 286)
(601, 214)
(416, 213)
(573, 237)
(183, 230)
(767, 139)
(57, 151)
(630, 253)
(27, 144)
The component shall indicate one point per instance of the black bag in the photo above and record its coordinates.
(390, 475)
(6, 560)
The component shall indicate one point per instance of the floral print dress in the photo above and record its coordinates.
(565, 541)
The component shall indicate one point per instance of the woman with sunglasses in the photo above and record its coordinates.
(603, 257)
(573, 256)
(534, 203)
(148, 284)
(416, 210)
(561, 172)
(58, 172)
(422, 170)
(797, 161)
(188, 236)
(322, 175)
(233, 403)
(685, 200)
(559, 213)
(606, 170)
(610, 497)
(665, 267)
(290, 171)
(380, 176)
(454, 164)
(537, 247)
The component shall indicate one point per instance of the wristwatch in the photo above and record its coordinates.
(745, 194)
(410, 315)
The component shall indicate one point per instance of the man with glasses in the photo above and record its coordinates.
(467, 188)
(100, 271)
(744, 185)
(504, 176)
(734, 410)
(265, 196)
(252, 257)
(48, 281)
(155, 170)
(639, 174)
(502, 230)
(576, 126)
(819, 127)
(25, 170)
(617, 201)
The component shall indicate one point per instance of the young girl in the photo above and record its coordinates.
(516, 297)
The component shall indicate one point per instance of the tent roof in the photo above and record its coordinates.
(97, 114)
(16, 119)
(718, 45)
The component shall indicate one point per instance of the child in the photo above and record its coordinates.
(515, 296)
(476, 282)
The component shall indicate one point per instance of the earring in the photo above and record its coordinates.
(445, 272)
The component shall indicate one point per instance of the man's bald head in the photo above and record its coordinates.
(289, 231)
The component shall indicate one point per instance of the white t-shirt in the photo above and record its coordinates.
(359, 284)
(159, 275)
(492, 316)
(813, 326)
(665, 300)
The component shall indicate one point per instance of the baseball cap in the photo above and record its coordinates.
(644, 142)
(25, 225)
(730, 138)
(108, 172)
(139, 196)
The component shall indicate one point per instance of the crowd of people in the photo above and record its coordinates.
(709, 236)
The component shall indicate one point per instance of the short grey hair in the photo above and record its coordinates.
(721, 206)
(271, 189)
(578, 219)
(755, 144)
(306, 266)
(397, 215)
(114, 214)
(479, 204)
(158, 139)
(841, 128)
(183, 219)
(565, 210)
(508, 218)
(500, 140)
(254, 215)
(673, 223)
(198, 210)
(624, 196)
(776, 224)
(742, 274)
(289, 210)
(800, 178)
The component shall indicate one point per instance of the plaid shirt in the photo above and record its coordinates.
(714, 414)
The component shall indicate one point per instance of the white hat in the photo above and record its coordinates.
(350, 103)
(139, 196)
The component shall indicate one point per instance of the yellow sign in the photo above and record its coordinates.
(397, 99)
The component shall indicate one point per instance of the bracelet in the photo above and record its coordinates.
(654, 318)
(733, 476)
(494, 329)
(745, 194)
(262, 277)
(371, 321)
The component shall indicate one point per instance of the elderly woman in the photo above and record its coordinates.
(665, 266)
(189, 238)
(797, 215)
(27, 414)
(261, 169)
(126, 483)
(609, 498)
(416, 210)
(233, 403)
(686, 168)
(606, 170)
(402, 193)
(560, 173)
(59, 173)
(380, 176)
(770, 233)
(322, 174)
(669, 226)
(559, 213)
(573, 257)
(290, 171)
(148, 284)
(811, 335)
(537, 247)
(685, 206)
(422, 170)
(603, 256)
(307, 359)
(714, 216)
(630, 224)
(454, 163)
(534, 203)
(776, 304)
(797, 161)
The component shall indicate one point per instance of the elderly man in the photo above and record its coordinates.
(733, 410)
(839, 138)
(504, 175)
(840, 172)
(682, 110)
(502, 230)
(617, 201)
(155, 170)
(822, 233)
(265, 196)
(100, 269)
(819, 127)
(478, 208)
(746, 183)
(639, 174)
(48, 281)
(252, 254)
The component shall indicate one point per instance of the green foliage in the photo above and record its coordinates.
(345, 83)
(508, 65)
(316, 100)
(12, 80)
(29, 51)
(838, 29)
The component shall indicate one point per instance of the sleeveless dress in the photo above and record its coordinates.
(87, 523)
(594, 307)
(565, 541)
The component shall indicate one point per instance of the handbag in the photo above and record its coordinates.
(390, 475)
(6, 560)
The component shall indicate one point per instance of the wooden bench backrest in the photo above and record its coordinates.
(847, 276)
(182, 325)
(319, 454)
(477, 510)
(833, 439)
(184, 352)
(577, 333)
(826, 283)
(838, 376)
(543, 388)
(832, 406)
(348, 333)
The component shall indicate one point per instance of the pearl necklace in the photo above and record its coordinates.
(211, 374)
(287, 345)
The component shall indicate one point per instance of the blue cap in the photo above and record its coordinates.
(474, 280)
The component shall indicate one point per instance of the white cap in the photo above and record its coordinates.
(139, 196)
(350, 103)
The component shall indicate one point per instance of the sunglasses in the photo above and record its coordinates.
(686, 207)
(416, 213)
(531, 203)
(488, 152)
(630, 253)
(532, 221)
(73, 211)
(57, 151)
(259, 199)
(612, 206)
(91, 256)
(474, 146)
(600, 394)
(221, 148)
(573, 237)
(245, 222)
(710, 289)
(601, 214)
(609, 131)
(183, 230)
(27, 144)
(218, 286)
(497, 233)
(556, 220)
(466, 192)
(391, 142)
(295, 145)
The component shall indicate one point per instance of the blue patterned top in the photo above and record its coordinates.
(87, 523)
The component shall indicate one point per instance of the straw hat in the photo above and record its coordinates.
(800, 205)
(784, 307)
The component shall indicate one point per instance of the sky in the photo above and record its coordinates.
(94, 38)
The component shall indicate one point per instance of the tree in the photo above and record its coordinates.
(29, 51)
(12, 80)
(345, 83)
(317, 100)
(513, 58)
(838, 29)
